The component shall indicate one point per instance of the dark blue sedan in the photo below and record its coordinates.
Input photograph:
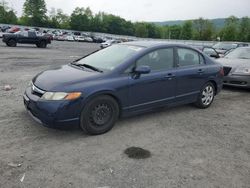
(122, 80)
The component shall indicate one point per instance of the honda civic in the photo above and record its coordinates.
(122, 80)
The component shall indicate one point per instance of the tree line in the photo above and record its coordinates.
(36, 14)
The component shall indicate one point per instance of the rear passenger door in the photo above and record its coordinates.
(191, 73)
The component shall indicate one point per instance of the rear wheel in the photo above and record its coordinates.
(11, 43)
(206, 96)
(99, 115)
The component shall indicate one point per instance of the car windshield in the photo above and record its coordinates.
(225, 46)
(239, 53)
(111, 57)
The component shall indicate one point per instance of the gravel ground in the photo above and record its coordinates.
(189, 147)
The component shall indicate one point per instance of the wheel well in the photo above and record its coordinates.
(117, 100)
(12, 39)
(214, 84)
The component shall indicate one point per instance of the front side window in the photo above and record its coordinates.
(189, 57)
(22, 33)
(157, 60)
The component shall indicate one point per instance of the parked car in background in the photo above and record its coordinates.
(1, 34)
(14, 29)
(223, 47)
(26, 37)
(69, 38)
(237, 67)
(109, 43)
(97, 39)
(121, 80)
(80, 38)
(88, 39)
(211, 52)
(61, 38)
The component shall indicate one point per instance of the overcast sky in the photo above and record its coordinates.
(152, 10)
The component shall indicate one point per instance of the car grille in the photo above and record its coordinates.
(227, 70)
(36, 91)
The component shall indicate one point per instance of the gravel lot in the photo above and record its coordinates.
(189, 147)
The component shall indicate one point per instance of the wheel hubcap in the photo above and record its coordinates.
(207, 95)
(101, 114)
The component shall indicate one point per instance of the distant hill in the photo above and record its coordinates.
(218, 22)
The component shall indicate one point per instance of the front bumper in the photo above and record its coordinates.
(54, 114)
(237, 81)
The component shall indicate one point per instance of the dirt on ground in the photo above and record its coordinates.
(185, 146)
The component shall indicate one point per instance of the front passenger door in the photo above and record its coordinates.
(157, 87)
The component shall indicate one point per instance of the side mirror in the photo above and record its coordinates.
(142, 70)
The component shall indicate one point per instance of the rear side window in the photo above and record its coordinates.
(158, 60)
(188, 57)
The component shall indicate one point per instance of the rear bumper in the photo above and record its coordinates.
(237, 81)
(54, 114)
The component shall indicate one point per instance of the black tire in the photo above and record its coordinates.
(11, 43)
(206, 96)
(42, 44)
(99, 115)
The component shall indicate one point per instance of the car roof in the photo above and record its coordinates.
(149, 44)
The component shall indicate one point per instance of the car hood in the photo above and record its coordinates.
(234, 63)
(59, 78)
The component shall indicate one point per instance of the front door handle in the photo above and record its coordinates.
(169, 76)
(200, 71)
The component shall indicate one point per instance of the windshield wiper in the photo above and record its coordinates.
(91, 67)
(87, 66)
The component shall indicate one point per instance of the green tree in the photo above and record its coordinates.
(244, 30)
(97, 23)
(141, 30)
(7, 15)
(187, 30)
(203, 29)
(58, 19)
(80, 19)
(34, 13)
(230, 30)
(175, 32)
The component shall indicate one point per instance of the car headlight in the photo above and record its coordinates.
(242, 70)
(60, 96)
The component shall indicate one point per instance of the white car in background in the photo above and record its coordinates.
(88, 39)
(109, 43)
(69, 38)
(80, 38)
(1, 34)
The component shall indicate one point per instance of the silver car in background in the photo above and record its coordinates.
(237, 67)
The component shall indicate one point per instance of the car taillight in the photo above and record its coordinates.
(222, 71)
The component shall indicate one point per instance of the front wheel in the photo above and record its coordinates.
(11, 43)
(206, 96)
(99, 115)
